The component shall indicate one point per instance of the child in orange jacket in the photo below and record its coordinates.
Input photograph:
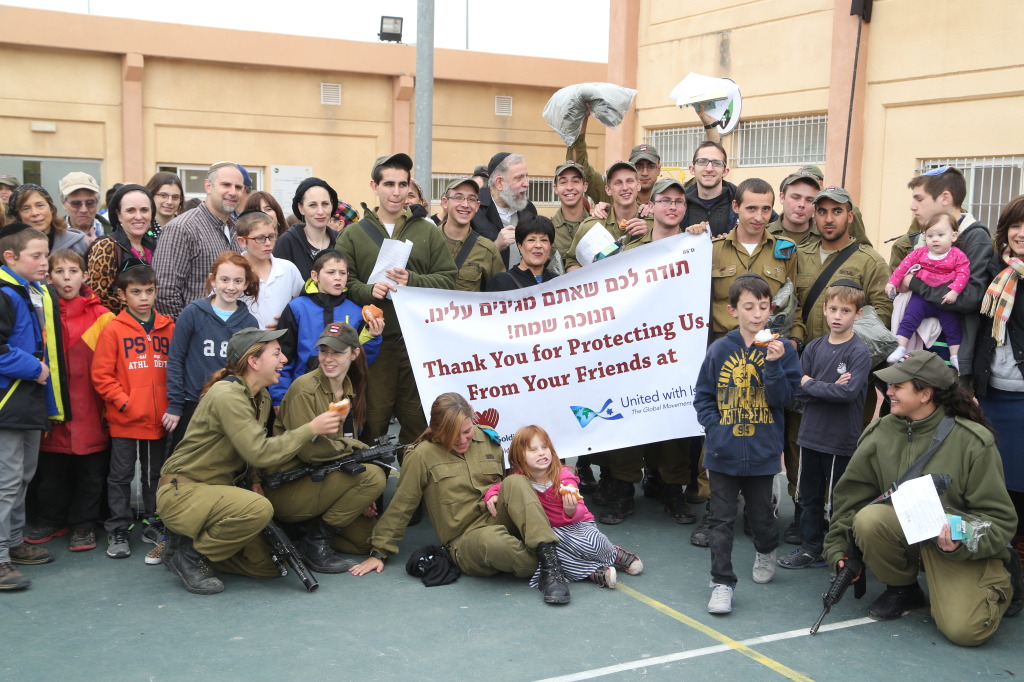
(130, 372)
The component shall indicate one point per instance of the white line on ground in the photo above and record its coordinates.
(695, 653)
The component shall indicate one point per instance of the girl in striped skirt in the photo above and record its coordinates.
(583, 550)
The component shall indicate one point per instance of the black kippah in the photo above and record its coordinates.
(252, 210)
(13, 228)
(750, 274)
(846, 283)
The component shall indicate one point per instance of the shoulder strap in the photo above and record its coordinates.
(941, 431)
(372, 231)
(467, 246)
(825, 276)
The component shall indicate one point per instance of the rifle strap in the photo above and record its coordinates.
(941, 432)
(372, 232)
(825, 276)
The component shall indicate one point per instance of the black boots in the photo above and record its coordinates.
(895, 601)
(188, 564)
(793, 536)
(553, 584)
(699, 536)
(620, 502)
(675, 504)
(653, 486)
(1016, 585)
(316, 552)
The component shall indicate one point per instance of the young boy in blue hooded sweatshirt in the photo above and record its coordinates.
(743, 387)
(199, 346)
(29, 394)
(324, 301)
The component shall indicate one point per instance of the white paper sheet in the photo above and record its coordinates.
(919, 509)
(393, 254)
(591, 244)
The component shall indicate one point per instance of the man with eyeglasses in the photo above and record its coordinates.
(190, 243)
(504, 203)
(943, 190)
(280, 280)
(80, 195)
(710, 197)
(476, 257)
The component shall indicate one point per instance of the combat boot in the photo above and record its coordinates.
(1016, 586)
(170, 547)
(315, 550)
(189, 565)
(553, 584)
(699, 536)
(653, 485)
(621, 503)
(588, 484)
(675, 504)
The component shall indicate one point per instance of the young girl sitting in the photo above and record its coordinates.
(583, 550)
(201, 334)
(936, 263)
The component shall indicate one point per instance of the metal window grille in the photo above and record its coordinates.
(991, 182)
(781, 141)
(330, 93)
(502, 105)
(542, 189)
(676, 145)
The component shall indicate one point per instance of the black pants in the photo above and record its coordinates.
(124, 451)
(819, 473)
(757, 496)
(188, 409)
(71, 489)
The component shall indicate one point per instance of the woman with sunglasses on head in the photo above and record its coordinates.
(130, 242)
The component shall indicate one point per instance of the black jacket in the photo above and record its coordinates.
(487, 222)
(515, 278)
(721, 216)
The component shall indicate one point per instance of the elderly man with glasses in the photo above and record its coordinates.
(80, 195)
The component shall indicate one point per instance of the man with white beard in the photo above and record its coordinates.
(504, 203)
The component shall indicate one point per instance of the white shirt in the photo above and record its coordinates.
(282, 285)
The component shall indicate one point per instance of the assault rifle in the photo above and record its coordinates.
(853, 566)
(284, 556)
(383, 452)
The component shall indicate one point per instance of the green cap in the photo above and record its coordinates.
(9, 180)
(243, 339)
(812, 170)
(800, 175)
(922, 365)
(339, 336)
(644, 152)
(663, 184)
(836, 194)
(570, 165)
(458, 182)
(404, 160)
(617, 166)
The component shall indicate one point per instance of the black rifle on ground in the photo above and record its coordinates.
(383, 453)
(853, 567)
(285, 557)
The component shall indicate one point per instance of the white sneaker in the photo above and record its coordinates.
(721, 599)
(764, 567)
(896, 355)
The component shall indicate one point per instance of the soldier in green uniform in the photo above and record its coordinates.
(475, 256)
(206, 515)
(623, 186)
(796, 196)
(450, 468)
(570, 187)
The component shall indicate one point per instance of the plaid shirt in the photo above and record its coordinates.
(187, 247)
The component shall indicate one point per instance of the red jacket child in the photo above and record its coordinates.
(82, 319)
(130, 373)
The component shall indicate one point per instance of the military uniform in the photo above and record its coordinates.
(197, 496)
(610, 223)
(482, 262)
(729, 259)
(340, 498)
(577, 152)
(565, 231)
(810, 236)
(452, 488)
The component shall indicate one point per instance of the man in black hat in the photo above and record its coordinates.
(504, 203)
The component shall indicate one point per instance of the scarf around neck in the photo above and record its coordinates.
(998, 300)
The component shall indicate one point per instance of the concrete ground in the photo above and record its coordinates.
(89, 617)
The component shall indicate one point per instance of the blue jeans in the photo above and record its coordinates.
(819, 471)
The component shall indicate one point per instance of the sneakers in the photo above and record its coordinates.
(801, 558)
(699, 536)
(153, 530)
(721, 599)
(896, 601)
(604, 577)
(155, 556)
(117, 544)
(628, 562)
(29, 555)
(764, 567)
(12, 579)
(896, 355)
(82, 539)
(38, 536)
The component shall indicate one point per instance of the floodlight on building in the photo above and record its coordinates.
(390, 29)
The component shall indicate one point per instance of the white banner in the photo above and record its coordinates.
(603, 357)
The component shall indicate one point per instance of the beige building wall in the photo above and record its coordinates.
(937, 80)
(136, 95)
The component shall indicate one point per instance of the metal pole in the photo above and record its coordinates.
(424, 128)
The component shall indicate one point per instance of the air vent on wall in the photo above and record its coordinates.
(502, 105)
(330, 93)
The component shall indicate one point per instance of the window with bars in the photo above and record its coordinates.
(542, 188)
(676, 145)
(781, 141)
(193, 178)
(991, 182)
